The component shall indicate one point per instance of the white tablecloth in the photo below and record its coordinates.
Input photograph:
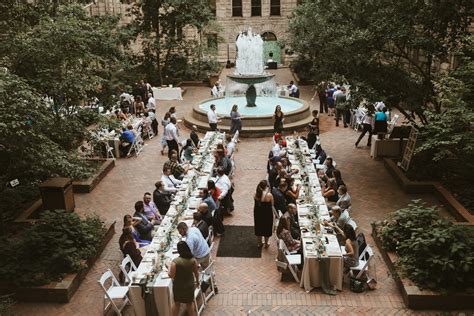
(167, 94)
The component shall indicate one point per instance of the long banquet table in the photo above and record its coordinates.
(152, 274)
(318, 245)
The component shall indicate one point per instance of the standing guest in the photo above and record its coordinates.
(278, 118)
(164, 122)
(154, 122)
(380, 124)
(230, 148)
(200, 224)
(171, 184)
(144, 227)
(129, 246)
(171, 135)
(150, 209)
(311, 138)
(184, 272)
(126, 101)
(138, 106)
(225, 187)
(194, 136)
(292, 192)
(151, 103)
(340, 104)
(278, 150)
(162, 198)
(197, 243)
(321, 92)
(235, 120)
(263, 213)
(344, 201)
(351, 258)
(292, 216)
(294, 91)
(367, 122)
(212, 117)
(172, 112)
(330, 99)
(283, 232)
(143, 90)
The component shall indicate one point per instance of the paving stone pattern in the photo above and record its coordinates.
(249, 286)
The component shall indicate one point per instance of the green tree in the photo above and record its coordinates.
(160, 25)
(390, 47)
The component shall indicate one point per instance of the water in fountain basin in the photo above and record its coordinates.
(265, 105)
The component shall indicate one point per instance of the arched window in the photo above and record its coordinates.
(274, 7)
(236, 7)
(256, 8)
(269, 36)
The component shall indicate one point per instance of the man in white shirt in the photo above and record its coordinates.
(222, 183)
(212, 118)
(214, 91)
(171, 136)
(151, 105)
(278, 150)
(367, 122)
(196, 242)
(293, 89)
(170, 183)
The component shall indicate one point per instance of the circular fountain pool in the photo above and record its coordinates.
(265, 105)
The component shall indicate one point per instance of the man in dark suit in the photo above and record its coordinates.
(201, 224)
(293, 217)
(162, 198)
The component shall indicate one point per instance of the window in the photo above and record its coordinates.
(256, 7)
(236, 7)
(274, 7)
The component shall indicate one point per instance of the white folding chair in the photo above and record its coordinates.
(207, 276)
(392, 123)
(137, 145)
(114, 292)
(363, 265)
(199, 300)
(110, 150)
(210, 237)
(149, 132)
(293, 259)
(127, 266)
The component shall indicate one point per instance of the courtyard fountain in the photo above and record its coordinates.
(254, 90)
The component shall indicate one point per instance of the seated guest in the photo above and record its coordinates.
(279, 200)
(151, 210)
(320, 154)
(213, 190)
(351, 258)
(200, 224)
(197, 243)
(222, 161)
(311, 137)
(194, 136)
(292, 192)
(273, 172)
(187, 151)
(278, 150)
(127, 138)
(336, 174)
(223, 184)
(206, 214)
(120, 115)
(339, 218)
(329, 167)
(176, 169)
(208, 199)
(283, 232)
(171, 184)
(344, 201)
(278, 136)
(292, 215)
(144, 227)
(131, 222)
(230, 145)
(330, 191)
(162, 198)
(129, 246)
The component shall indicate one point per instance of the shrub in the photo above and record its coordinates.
(433, 252)
(54, 247)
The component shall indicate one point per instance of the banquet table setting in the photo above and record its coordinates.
(151, 276)
(323, 257)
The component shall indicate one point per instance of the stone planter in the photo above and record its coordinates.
(62, 291)
(414, 297)
(86, 186)
(459, 212)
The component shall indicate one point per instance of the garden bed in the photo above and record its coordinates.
(459, 212)
(62, 291)
(414, 297)
(87, 185)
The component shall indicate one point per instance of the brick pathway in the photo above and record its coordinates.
(248, 286)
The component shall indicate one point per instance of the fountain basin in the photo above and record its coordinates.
(251, 79)
(256, 121)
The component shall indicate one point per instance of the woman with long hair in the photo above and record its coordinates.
(235, 120)
(129, 221)
(184, 272)
(138, 106)
(284, 233)
(129, 246)
(278, 117)
(351, 258)
(263, 213)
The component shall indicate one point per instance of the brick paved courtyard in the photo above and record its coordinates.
(249, 286)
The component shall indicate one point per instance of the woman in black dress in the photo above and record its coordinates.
(263, 213)
(278, 120)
